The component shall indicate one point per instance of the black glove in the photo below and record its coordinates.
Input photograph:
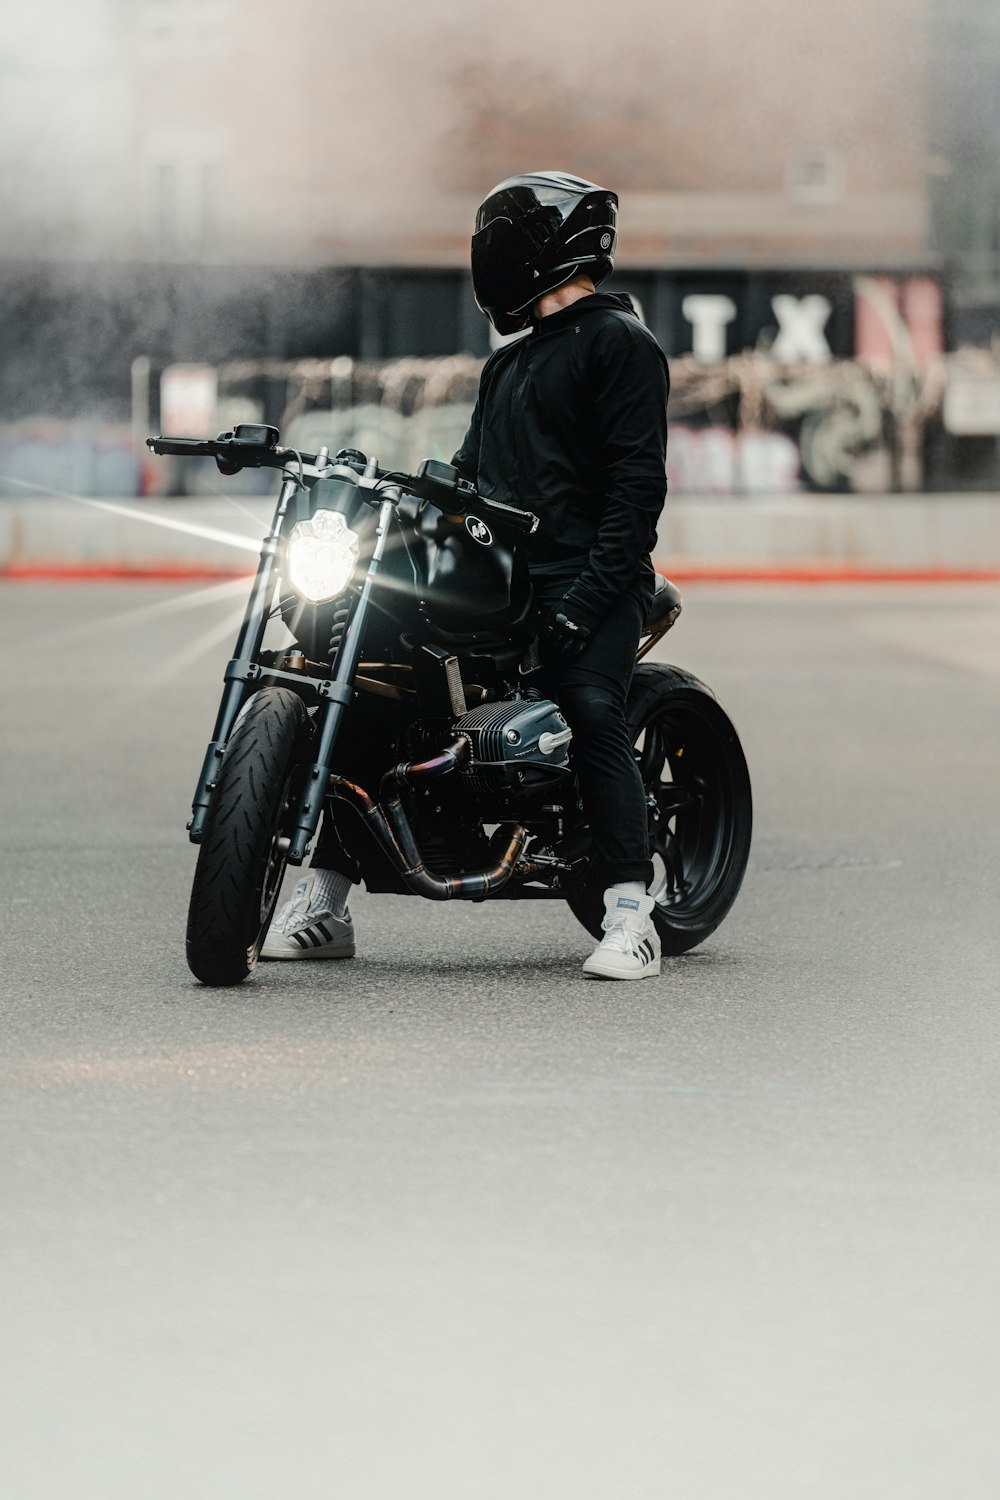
(560, 641)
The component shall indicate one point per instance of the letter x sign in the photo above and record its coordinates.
(801, 325)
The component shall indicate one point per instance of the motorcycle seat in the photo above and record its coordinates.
(664, 608)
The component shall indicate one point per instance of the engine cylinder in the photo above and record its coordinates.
(518, 743)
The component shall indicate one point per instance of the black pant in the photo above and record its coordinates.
(591, 693)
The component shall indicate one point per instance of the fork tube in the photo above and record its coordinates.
(247, 646)
(341, 691)
(259, 604)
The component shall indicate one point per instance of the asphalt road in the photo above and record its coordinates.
(450, 1221)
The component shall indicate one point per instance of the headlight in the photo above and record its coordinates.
(321, 554)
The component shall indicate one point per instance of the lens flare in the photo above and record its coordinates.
(172, 666)
(169, 523)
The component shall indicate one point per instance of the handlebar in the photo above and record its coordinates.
(230, 452)
(256, 447)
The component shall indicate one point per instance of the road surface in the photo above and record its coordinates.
(449, 1221)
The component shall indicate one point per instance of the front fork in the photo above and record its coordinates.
(338, 695)
(244, 668)
(236, 677)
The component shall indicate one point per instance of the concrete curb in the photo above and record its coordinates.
(861, 533)
(802, 536)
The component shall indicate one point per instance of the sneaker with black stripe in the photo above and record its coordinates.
(630, 947)
(300, 931)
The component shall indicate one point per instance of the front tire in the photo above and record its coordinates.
(699, 805)
(241, 860)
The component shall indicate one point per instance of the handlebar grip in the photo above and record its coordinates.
(231, 453)
(524, 521)
(188, 447)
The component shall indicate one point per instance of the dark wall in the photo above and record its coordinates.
(68, 335)
(662, 294)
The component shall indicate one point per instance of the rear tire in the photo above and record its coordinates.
(700, 807)
(241, 860)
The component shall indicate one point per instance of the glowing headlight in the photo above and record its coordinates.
(321, 555)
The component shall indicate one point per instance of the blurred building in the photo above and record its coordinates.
(200, 179)
(310, 133)
(963, 89)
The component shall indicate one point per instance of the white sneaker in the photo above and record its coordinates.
(630, 947)
(300, 931)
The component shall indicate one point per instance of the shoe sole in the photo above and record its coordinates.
(594, 971)
(346, 950)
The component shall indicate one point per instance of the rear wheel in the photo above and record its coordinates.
(699, 807)
(242, 857)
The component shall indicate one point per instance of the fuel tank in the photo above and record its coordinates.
(470, 577)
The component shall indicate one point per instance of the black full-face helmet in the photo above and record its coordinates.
(532, 234)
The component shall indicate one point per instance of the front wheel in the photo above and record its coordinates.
(242, 860)
(698, 802)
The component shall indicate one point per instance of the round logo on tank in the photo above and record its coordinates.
(605, 241)
(479, 531)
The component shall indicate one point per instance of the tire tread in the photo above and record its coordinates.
(222, 923)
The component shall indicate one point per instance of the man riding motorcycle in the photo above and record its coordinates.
(570, 422)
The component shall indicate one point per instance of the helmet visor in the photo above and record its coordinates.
(543, 209)
(502, 255)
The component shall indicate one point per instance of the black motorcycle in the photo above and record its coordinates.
(401, 706)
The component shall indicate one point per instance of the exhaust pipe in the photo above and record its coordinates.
(390, 826)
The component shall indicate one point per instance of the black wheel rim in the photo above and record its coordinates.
(685, 755)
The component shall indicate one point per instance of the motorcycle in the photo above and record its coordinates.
(399, 704)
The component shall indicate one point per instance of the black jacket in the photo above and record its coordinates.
(571, 422)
